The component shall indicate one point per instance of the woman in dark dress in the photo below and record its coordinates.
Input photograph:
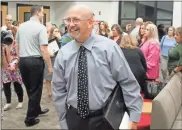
(135, 58)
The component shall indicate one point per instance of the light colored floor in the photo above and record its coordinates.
(14, 119)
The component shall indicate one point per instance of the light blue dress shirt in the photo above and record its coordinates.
(106, 66)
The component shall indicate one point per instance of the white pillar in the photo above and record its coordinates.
(177, 14)
(12, 9)
(114, 11)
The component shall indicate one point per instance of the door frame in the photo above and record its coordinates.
(22, 5)
(5, 4)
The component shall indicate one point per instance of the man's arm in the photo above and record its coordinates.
(130, 87)
(43, 41)
(17, 45)
(59, 91)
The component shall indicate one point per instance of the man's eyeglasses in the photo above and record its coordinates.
(74, 20)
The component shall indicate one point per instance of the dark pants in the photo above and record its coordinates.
(32, 69)
(75, 122)
(18, 90)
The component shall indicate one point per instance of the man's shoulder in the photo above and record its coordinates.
(32, 25)
(104, 42)
(68, 46)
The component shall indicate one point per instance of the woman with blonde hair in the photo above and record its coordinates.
(135, 59)
(141, 32)
(175, 54)
(151, 51)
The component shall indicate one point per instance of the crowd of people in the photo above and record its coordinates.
(83, 67)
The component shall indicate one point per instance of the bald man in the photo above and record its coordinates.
(135, 31)
(86, 72)
(9, 21)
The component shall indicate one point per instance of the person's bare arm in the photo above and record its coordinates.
(43, 41)
(46, 57)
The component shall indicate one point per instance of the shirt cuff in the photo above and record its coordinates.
(135, 116)
(63, 124)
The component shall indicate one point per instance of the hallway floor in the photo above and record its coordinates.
(14, 119)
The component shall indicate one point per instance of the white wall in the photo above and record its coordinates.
(60, 10)
(177, 14)
(109, 10)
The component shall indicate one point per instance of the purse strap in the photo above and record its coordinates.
(162, 42)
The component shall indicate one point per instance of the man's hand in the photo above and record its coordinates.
(50, 71)
(133, 126)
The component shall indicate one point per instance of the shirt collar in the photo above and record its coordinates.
(34, 19)
(89, 43)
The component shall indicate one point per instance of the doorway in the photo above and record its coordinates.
(4, 12)
(23, 13)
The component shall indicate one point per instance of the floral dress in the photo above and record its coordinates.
(8, 75)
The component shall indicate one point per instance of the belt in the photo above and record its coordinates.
(91, 113)
(31, 57)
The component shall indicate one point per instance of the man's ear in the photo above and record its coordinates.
(91, 23)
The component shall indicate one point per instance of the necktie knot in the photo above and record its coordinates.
(82, 48)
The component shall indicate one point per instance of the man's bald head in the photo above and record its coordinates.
(9, 16)
(84, 10)
(139, 21)
(9, 20)
(79, 21)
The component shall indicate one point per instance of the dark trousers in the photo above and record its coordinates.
(18, 90)
(75, 122)
(32, 69)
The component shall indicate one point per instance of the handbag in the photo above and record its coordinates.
(115, 108)
(152, 89)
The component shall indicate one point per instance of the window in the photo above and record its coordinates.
(164, 13)
(146, 10)
(157, 12)
(128, 10)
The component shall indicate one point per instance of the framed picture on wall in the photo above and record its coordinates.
(27, 16)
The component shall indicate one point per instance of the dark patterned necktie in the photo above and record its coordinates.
(82, 94)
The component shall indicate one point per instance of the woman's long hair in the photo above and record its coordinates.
(153, 33)
(128, 42)
(179, 30)
(105, 27)
(51, 33)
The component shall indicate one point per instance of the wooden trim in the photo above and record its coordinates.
(4, 12)
(22, 5)
(46, 7)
